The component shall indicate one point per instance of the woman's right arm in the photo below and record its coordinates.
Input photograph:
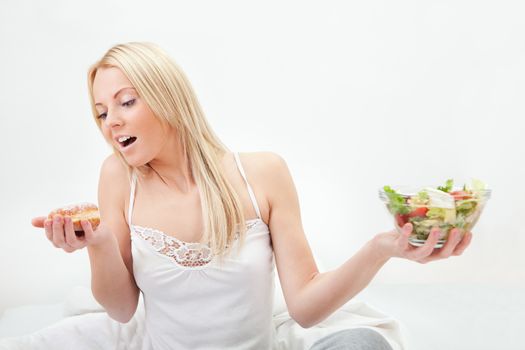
(112, 281)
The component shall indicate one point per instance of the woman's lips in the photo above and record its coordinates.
(128, 145)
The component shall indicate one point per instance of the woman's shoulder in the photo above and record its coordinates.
(263, 161)
(264, 168)
(114, 176)
(114, 169)
(261, 166)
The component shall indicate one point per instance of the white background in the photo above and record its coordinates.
(354, 95)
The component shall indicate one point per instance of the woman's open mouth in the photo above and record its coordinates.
(126, 141)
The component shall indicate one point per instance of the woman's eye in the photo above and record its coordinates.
(125, 104)
(129, 103)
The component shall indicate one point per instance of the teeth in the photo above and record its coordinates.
(123, 138)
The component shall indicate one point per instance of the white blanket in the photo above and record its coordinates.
(87, 326)
(354, 314)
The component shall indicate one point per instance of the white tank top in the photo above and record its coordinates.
(193, 303)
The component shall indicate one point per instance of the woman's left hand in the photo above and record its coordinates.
(392, 244)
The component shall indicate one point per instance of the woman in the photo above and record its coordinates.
(172, 198)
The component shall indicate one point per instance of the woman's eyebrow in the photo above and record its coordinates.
(116, 94)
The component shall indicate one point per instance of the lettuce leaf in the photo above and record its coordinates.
(445, 214)
(466, 207)
(448, 186)
(478, 185)
(397, 202)
(421, 198)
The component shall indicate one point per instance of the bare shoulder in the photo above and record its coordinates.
(268, 169)
(114, 177)
(114, 165)
(262, 160)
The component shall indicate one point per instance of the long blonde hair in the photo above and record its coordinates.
(161, 83)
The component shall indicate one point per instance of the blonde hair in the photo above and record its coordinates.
(160, 82)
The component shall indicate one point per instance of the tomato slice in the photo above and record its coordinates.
(401, 219)
(421, 211)
(460, 195)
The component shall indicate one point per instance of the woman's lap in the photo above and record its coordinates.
(352, 339)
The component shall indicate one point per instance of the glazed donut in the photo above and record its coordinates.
(77, 212)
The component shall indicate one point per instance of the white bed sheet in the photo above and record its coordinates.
(431, 317)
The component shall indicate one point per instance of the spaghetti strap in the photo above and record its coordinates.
(132, 196)
(250, 191)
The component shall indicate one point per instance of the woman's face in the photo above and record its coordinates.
(122, 112)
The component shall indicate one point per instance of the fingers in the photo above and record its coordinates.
(425, 250)
(60, 232)
(71, 239)
(88, 230)
(463, 244)
(455, 245)
(407, 230)
(405, 233)
(447, 250)
(402, 248)
(38, 221)
(48, 225)
(454, 238)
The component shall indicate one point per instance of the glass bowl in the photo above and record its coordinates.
(427, 207)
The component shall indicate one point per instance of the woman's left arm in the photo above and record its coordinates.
(312, 296)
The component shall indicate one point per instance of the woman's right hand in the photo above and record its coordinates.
(62, 235)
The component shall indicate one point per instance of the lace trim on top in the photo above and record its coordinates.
(187, 254)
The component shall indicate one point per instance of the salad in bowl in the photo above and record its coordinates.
(444, 207)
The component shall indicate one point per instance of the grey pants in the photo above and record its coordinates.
(352, 339)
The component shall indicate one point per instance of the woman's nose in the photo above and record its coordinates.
(113, 119)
